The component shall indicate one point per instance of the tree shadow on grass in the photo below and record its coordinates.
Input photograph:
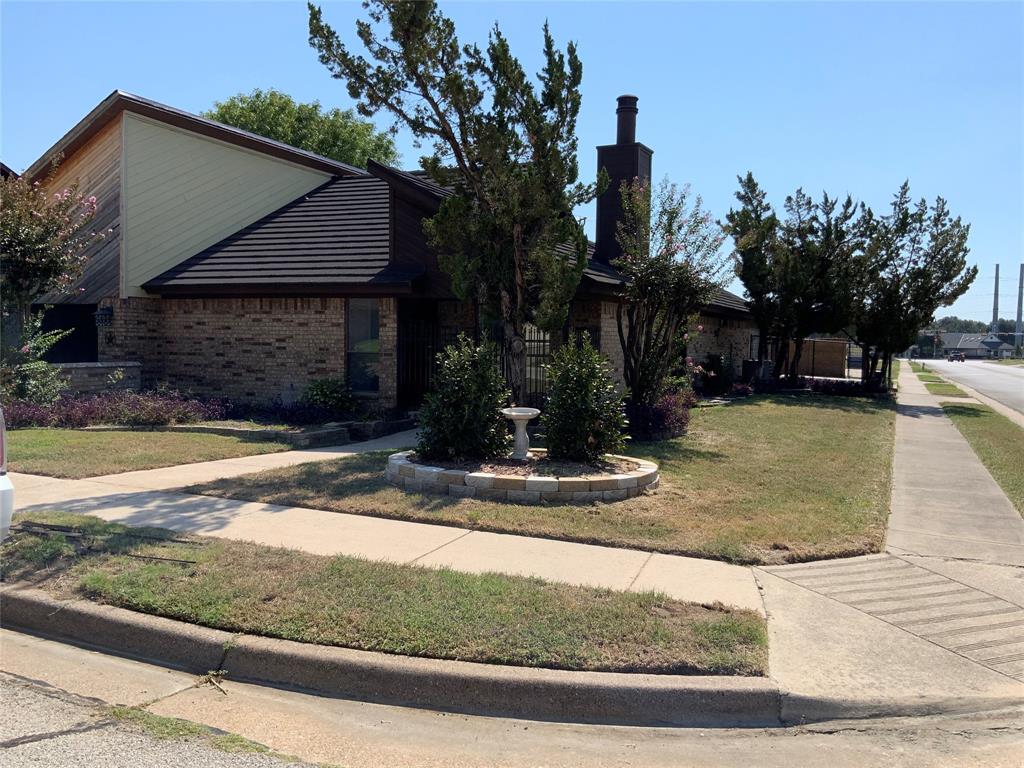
(814, 400)
(970, 411)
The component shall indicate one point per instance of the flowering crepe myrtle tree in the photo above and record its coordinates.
(503, 142)
(44, 235)
(672, 262)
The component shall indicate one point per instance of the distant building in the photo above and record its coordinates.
(976, 345)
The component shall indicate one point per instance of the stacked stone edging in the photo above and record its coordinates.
(535, 489)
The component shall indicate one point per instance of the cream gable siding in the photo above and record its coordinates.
(183, 192)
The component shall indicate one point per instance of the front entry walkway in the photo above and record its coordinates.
(944, 502)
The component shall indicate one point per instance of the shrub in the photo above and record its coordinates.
(24, 374)
(461, 417)
(333, 396)
(669, 417)
(584, 417)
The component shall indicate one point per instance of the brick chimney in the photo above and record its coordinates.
(624, 160)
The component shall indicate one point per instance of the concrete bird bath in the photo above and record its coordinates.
(519, 417)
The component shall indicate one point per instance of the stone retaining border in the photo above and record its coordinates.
(533, 490)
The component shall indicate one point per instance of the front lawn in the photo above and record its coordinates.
(1008, 361)
(998, 442)
(944, 389)
(76, 453)
(763, 480)
(411, 610)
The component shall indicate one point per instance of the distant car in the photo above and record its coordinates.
(6, 489)
(955, 357)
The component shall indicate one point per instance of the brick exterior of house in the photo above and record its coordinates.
(727, 337)
(249, 350)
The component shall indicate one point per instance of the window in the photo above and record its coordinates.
(362, 360)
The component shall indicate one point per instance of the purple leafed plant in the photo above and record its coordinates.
(123, 408)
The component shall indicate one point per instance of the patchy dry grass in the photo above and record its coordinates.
(998, 442)
(374, 606)
(763, 480)
(82, 453)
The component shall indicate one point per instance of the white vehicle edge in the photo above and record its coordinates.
(6, 489)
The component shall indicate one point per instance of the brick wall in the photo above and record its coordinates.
(388, 394)
(253, 350)
(610, 345)
(89, 378)
(728, 337)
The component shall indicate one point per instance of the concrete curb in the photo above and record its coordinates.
(458, 686)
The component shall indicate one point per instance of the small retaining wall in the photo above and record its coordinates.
(533, 490)
(90, 378)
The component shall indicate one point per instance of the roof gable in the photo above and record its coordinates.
(120, 101)
(333, 239)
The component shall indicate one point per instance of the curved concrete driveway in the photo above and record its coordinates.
(1003, 383)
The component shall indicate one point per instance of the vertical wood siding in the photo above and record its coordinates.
(96, 168)
(184, 192)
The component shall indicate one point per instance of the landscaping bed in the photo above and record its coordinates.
(535, 481)
(998, 442)
(71, 453)
(353, 603)
(766, 479)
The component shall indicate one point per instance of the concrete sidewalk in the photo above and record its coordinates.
(137, 498)
(944, 502)
(333, 533)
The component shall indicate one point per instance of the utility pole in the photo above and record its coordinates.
(1018, 332)
(995, 304)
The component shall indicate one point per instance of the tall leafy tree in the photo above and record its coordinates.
(914, 261)
(672, 262)
(954, 324)
(754, 228)
(798, 271)
(504, 143)
(334, 133)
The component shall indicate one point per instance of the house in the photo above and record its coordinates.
(975, 345)
(241, 267)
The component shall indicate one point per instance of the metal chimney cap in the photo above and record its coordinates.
(627, 102)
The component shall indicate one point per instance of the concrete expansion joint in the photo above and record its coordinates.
(442, 546)
(650, 555)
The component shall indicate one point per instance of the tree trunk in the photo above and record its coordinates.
(515, 362)
(794, 366)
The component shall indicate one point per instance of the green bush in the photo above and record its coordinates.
(461, 417)
(24, 374)
(332, 395)
(584, 417)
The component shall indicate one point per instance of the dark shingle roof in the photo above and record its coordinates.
(726, 300)
(965, 341)
(336, 236)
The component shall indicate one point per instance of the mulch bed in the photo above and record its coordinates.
(537, 465)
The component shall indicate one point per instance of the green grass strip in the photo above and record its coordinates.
(945, 389)
(379, 606)
(998, 442)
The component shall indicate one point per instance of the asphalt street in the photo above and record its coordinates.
(1004, 383)
(43, 724)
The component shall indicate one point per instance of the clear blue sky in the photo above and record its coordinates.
(845, 97)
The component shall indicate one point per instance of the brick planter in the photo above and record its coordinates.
(534, 490)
